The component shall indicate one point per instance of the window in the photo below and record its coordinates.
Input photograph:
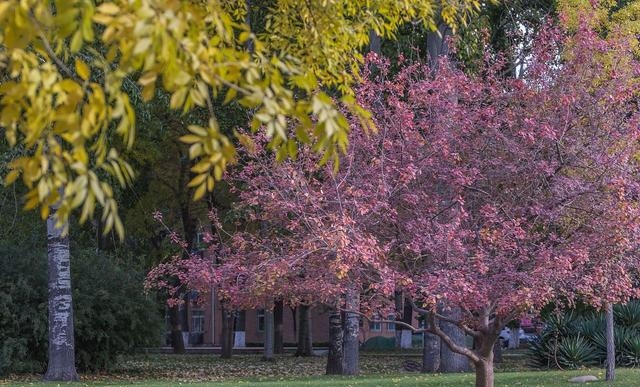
(375, 326)
(197, 321)
(391, 326)
(260, 324)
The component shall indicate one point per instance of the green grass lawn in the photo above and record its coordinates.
(383, 369)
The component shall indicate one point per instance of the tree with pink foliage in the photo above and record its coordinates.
(515, 193)
(487, 195)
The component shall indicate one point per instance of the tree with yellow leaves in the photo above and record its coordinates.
(66, 64)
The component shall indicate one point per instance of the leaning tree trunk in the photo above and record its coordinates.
(336, 354)
(351, 364)
(430, 353)
(278, 314)
(611, 345)
(451, 361)
(268, 335)
(304, 331)
(61, 365)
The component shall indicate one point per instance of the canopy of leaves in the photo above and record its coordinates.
(69, 71)
(491, 194)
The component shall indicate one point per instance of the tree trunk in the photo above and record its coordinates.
(406, 335)
(514, 340)
(437, 45)
(268, 334)
(304, 331)
(449, 360)
(497, 352)
(430, 353)
(611, 345)
(351, 365)
(61, 365)
(375, 43)
(484, 371)
(227, 333)
(294, 317)
(336, 354)
(175, 319)
(278, 314)
(397, 296)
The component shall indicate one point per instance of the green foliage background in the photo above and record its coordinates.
(112, 315)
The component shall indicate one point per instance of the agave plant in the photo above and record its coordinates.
(573, 339)
(576, 352)
(628, 315)
(540, 354)
(591, 326)
(630, 352)
(562, 323)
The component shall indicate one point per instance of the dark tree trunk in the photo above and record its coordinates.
(175, 319)
(268, 334)
(611, 345)
(437, 45)
(227, 333)
(449, 360)
(61, 365)
(406, 335)
(336, 354)
(351, 365)
(430, 353)
(304, 331)
(179, 319)
(375, 43)
(497, 352)
(398, 302)
(294, 317)
(278, 314)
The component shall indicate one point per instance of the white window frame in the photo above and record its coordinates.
(374, 324)
(197, 321)
(391, 327)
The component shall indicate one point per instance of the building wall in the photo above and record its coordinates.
(253, 335)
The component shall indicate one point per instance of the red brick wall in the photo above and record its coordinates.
(319, 325)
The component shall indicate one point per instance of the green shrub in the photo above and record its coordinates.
(23, 311)
(377, 343)
(111, 314)
(574, 339)
(569, 352)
